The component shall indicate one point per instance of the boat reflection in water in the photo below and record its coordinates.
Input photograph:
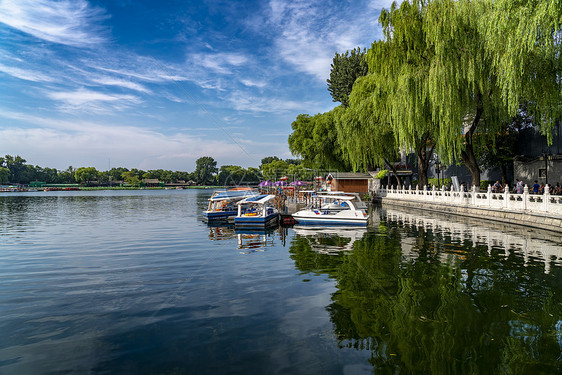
(330, 240)
(221, 232)
(251, 241)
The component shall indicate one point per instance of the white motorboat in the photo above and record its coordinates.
(333, 210)
(359, 204)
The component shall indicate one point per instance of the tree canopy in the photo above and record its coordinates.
(206, 168)
(315, 140)
(86, 174)
(346, 68)
(446, 77)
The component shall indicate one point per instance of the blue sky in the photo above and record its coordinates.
(157, 84)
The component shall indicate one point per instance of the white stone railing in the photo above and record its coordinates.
(537, 203)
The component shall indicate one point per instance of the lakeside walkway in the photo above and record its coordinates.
(536, 210)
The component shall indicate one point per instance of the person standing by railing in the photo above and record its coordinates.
(519, 186)
(536, 187)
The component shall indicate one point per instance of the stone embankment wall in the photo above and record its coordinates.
(535, 210)
(536, 220)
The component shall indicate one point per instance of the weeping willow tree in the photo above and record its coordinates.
(400, 66)
(490, 56)
(524, 42)
(315, 140)
(365, 137)
(455, 69)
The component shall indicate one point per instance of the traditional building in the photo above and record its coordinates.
(349, 182)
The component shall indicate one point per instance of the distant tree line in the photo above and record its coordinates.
(13, 169)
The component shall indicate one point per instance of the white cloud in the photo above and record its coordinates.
(69, 22)
(89, 100)
(111, 81)
(88, 143)
(308, 33)
(218, 62)
(28, 75)
(253, 83)
(379, 4)
(242, 101)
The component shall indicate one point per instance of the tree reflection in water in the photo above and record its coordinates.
(440, 307)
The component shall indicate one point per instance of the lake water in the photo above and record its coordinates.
(135, 282)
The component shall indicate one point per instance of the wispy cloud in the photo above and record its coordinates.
(69, 22)
(111, 81)
(28, 75)
(88, 100)
(253, 83)
(218, 62)
(243, 101)
(310, 32)
(379, 4)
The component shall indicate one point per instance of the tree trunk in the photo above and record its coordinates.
(393, 168)
(423, 166)
(467, 155)
(504, 173)
(469, 159)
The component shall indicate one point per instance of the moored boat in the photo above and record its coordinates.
(256, 212)
(222, 203)
(340, 210)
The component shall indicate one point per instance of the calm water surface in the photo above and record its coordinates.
(135, 282)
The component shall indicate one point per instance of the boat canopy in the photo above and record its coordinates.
(230, 194)
(340, 197)
(259, 199)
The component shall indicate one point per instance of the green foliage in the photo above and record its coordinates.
(364, 134)
(206, 168)
(86, 174)
(115, 174)
(131, 178)
(522, 41)
(280, 168)
(4, 175)
(236, 175)
(274, 170)
(440, 182)
(268, 159)
(485, 183)
(382, 174)
(293, 161)
(16, 165)
(346, 68)
(315, 140)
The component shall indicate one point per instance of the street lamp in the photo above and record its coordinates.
(546, 157)
(438, 166)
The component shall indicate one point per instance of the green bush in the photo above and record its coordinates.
(484, 184)
(442, 181)
(382, 174)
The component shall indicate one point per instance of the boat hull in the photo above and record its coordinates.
(256, 221)
(218, 215)
(311, 218)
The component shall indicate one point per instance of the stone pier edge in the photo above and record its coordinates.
(527, 219)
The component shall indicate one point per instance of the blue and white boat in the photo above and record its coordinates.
(222, 203)
(341, 210)
(256, 212)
